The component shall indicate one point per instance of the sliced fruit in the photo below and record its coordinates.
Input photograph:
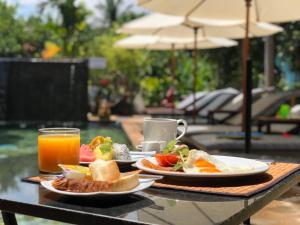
(86, 155)
(166, 160)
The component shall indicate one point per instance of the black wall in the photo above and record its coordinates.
(38, 90)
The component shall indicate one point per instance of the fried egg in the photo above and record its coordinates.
(200, 161)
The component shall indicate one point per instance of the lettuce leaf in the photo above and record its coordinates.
(170, 147)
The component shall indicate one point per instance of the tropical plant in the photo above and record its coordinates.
(10, 31)
(111, 11)
(288, 50)
(124, 67)
(128, 70)
(37, 32)
(72, 20)
(154, 89)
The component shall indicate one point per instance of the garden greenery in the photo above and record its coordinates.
(132, 71)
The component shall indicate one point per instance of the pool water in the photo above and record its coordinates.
(16, 141)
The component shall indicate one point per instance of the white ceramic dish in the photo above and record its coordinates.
(119, 162)
(255, 167)
(144, 183)
(140, 147)
(134, 157)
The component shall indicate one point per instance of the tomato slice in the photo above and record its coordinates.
(166, 159)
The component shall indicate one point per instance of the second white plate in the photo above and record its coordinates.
(135, 156)
(255, 167)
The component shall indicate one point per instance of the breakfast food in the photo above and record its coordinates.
(151, 165)
(86, 154)
(104, 170)
(172, 157)
(179, 158)
(200, 161)
(121, 152)
(100, 176)
(103, 148)
(75, 171)
(167, 160)
(81, 185)
(127, 181)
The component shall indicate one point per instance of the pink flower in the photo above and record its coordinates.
(104, 82)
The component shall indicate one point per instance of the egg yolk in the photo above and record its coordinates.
(206, 166)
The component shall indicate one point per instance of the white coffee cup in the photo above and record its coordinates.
(157, 146)
(161, 129)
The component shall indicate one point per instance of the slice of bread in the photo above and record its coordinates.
(126, 182)
(104, 170)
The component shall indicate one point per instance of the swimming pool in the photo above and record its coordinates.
(18, 141)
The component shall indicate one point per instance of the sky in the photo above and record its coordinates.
(29, 7)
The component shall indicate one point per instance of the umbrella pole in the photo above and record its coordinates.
(194, 73)
(248, 107)
(173, 62)
(247, 84)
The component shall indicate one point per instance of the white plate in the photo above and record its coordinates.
(134, 157)
(144, 183)
(119, 162)
(140, 147)
(256, 168)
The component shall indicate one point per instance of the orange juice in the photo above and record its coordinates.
(54, 149)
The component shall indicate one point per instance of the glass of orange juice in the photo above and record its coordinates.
(57, 146)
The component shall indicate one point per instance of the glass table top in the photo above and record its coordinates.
(158, 206)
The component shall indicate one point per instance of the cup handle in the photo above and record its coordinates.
(185, 128)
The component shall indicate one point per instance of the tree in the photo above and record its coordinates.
(37, 32)
(111, 11)
(124, 67)
(11, 31)
(288, 51)
(73, 21)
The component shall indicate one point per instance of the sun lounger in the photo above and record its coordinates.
(180, 108)
(233, 107)
(163, 111)
(291, 124)
(265, 143)
(217, 103)
(204, 102)
(210, 97)
(268, 122)
(189, 100)
(266, 106)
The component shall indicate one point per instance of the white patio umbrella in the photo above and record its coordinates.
(174, 43)
(177, 26)
(153, 42)
(261, 11)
